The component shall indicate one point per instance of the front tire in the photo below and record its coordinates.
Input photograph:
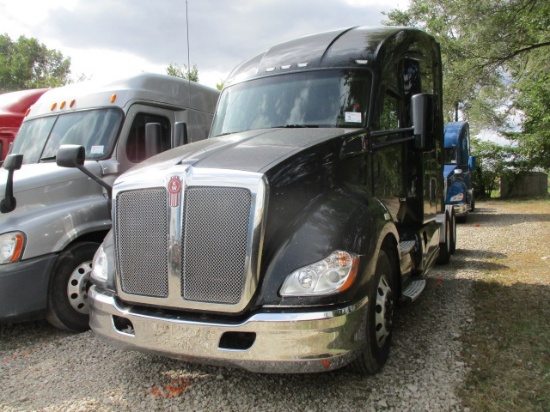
(379, 320)
(68, 290)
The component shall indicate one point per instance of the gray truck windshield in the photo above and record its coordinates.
(324, 98)
(96, 130)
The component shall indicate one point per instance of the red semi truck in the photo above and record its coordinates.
(13, 108)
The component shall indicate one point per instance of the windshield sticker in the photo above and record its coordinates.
(97, 150)
(352, 117)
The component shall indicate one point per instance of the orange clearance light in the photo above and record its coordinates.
(113, 98)
(72, 103)
(27, 112)
(62, 105)
(18, 248)
(354, 263)
(53, 106)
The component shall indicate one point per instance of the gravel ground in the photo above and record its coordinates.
(44, 369)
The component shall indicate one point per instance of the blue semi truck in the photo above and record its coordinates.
(459, 165)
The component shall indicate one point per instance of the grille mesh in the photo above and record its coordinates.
(214, 236)
(142, 242)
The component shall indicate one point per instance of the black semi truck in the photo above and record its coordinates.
(284, 241)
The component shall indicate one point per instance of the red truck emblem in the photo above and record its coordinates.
(174, 187)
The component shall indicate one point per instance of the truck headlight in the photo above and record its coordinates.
(100, 266)
(457, 198)
(103, 264)
(11, 247)
(333, 274)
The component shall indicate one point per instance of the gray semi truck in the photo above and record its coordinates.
(284, 241)
(52, 218)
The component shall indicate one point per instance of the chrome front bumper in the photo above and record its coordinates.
(460, 209)
(296, 342)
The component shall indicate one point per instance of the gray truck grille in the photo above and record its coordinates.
(209, 259)
(215, 232)
(142, 241)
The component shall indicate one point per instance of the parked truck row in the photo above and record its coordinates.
(284, 241)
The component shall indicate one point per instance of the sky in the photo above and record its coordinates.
(109, 39)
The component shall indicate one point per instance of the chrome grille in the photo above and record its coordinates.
(214, 241)
(142, 241)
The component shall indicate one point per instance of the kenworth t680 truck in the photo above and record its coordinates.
(283, 242)
(52, 218)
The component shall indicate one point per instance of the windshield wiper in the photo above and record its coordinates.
(47, 158)
(295, 126)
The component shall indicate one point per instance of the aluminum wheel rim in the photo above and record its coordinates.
(77, 287)
(383, 312)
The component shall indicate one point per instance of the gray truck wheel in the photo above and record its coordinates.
(379, 320)
(68, 289)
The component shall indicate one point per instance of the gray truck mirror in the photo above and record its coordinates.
(70, 155)
(12, 162)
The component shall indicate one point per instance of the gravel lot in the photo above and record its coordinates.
(44, 369)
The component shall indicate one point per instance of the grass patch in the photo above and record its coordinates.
(508, 347)
(509, 350)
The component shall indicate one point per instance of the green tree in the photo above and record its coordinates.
(176, 70)
(28, 64)
(496, 60)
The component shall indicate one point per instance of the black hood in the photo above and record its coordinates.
(251, 151)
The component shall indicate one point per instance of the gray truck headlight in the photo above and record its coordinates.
(333, 274)
(103, 264)
(11, 247)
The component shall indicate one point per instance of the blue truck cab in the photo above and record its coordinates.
(459, 165)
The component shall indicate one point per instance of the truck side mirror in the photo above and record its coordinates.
(152, 139)
(423, 121)
(72, 155)
(13, 162)
(472, 163)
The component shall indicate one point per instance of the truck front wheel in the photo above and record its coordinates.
(68, 290)
(379, 320)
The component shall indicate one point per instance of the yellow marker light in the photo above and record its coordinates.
(53, 107)
(72, 103)
(113, 98)
(62, 105)
(27, 112)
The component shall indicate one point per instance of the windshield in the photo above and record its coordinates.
(96, 130)
(450, 155)
(328, 98)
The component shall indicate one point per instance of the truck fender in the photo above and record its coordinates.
(342, 219)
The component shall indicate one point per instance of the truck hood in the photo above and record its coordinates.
(251, 151)
(41, 175)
